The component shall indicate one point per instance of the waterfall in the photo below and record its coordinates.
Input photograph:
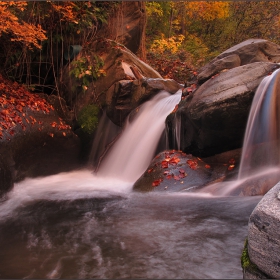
(131, 154)
(261, 142)
(260, 157)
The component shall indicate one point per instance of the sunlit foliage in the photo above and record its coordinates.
(28, 34)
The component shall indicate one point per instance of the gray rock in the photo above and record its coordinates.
(213, 119)
(264, 235)
(174, 171)
(249, 51)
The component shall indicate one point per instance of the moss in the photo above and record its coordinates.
(249, 267)
(245, 260)
(88, 118)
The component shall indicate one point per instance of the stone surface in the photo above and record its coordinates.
(174, 171)
(127, 26)
(264, 235)
(213, 119)
(34, 140)
(121, 89)
(249, 51)
(124, 96)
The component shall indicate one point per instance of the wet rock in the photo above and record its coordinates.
(126, 95)
(174, 171)
(258, 185)
(213, 119)
(125, 84)
(34, 140)
(263, 234)
(249, 51)
(6, 180)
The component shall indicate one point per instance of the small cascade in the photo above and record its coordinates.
(261, 147)
(173, 132)
(260, 157)
(133, 151)
(106, 133)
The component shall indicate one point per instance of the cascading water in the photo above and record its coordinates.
(261, 147)
(83, 225)
(134, 150)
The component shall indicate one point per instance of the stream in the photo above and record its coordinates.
(83, 224)
(77, 225)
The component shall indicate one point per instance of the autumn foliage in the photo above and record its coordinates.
(28, 34)
(17, 108)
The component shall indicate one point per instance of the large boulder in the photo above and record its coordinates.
(249, 51)
(121, 83)
(264, 236)
(34, 140)
(213, 119)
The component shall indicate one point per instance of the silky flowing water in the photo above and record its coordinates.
(86, 225)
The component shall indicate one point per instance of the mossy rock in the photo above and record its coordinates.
(250, 270)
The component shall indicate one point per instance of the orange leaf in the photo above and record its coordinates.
(192, 164)
(174, 160)
(231, 167)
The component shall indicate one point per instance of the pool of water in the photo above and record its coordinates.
(74, 225)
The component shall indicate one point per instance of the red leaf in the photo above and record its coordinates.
(174, 160)
(232, 161)
(164, 164)
(182, 171)
(149, 171)
(156, 182)
(177, 178)
(207, 166)
(169, 176)
(192, 164)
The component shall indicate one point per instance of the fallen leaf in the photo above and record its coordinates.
(231, 167)
(164, 164)
(156, 182)
(174, 160)
(192, 164)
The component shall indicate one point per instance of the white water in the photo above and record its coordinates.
(261, 142)
(134, 150)
(81, 184)
(79, 225)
